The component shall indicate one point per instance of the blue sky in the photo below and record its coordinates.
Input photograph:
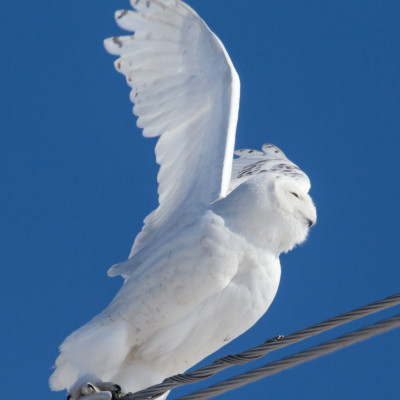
(320, 79)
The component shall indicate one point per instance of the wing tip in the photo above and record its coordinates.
(119, 14)
(113, 45)
(113, 270)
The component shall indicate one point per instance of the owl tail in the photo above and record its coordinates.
(98, 348)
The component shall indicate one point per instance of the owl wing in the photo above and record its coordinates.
(186, 91)
(270, 160)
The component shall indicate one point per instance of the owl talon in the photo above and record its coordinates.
(96, 391)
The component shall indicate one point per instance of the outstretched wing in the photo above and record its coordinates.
(186, 91)
(270, 160)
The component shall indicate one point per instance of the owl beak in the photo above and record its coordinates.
(310, 223)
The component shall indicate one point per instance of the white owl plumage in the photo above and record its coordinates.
(206, 265)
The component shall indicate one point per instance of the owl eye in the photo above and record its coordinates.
(295, 194)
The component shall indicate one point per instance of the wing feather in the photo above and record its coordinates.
(186, 91)
(270, 160)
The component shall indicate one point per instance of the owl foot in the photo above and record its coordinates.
(96, 391)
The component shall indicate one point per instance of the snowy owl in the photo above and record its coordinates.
(205, 266)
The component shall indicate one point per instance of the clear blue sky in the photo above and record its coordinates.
(320, 79)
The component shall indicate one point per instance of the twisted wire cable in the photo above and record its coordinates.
(295, 359)
(263, 349)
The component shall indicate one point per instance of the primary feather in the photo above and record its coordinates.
(205, 266)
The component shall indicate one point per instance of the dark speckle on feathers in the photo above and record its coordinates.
(123, 13)
(117, 41)
(259, 167)
(252, 168)
(270, 161)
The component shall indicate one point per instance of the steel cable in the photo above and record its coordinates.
(263, 349)
(295, 359)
